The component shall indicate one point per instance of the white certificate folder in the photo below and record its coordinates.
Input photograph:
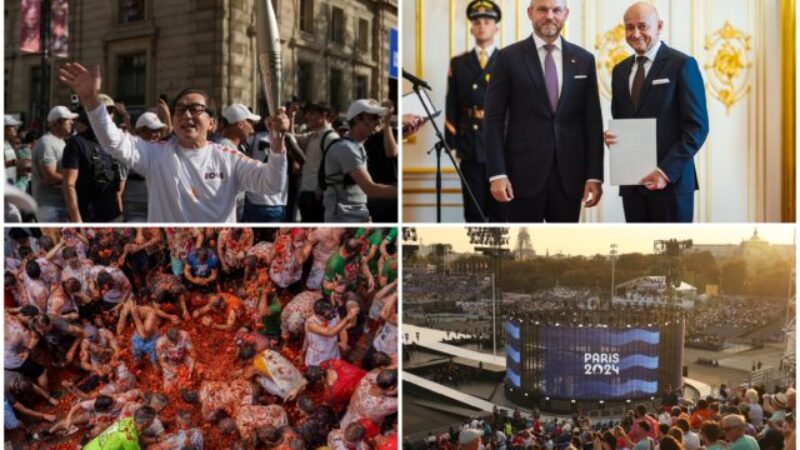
(636, 152)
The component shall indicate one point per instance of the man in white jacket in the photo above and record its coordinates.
(189, 179)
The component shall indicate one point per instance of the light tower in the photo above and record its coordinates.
(492, 242)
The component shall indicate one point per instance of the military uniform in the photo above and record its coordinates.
(466, 89)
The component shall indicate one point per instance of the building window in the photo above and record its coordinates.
(307, 16)
(337, 25)
(131, 11)
(132, 79)
(362, 86)
(36, 92)
(363, 35)
(335, 84)
(305, 71)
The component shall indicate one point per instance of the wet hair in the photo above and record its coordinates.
(185, 415)
(683, 424)
(326, 416)
(143, 415)
(314, 374)
(269, 435)
(69, 252)
(663, 428)
(211, 105)
(103, 403)
(202, 253)
(46, 243)
(172, 334)
(226, 425)
(354, 432)
(191, 397)
(23, 385)
(251, 261)
(104, 279)
(711, 430)
(354, 246)
(376, 360)
(24, 251)
(246, 352)
(29, 310)
(9, 278)
(306, 404)
(387, 379)
(72, 285)
(33, 270)
(41, 321)
(322, 307)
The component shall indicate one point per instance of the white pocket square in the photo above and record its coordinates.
(661, 81)
(581, 77)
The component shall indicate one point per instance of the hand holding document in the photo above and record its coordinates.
(634, 151)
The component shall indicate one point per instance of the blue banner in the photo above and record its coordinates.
(394, 54)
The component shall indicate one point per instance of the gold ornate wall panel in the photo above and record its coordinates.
(743, 47)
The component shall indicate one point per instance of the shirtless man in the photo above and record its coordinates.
(143, 341)
(166, 288)
(98, 351)
(325, 242)
(98, 412)
(175, 350)
(225, 304)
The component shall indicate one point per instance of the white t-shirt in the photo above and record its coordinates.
(272, 198)
(188, 185)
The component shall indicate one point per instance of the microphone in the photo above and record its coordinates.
(416, 81)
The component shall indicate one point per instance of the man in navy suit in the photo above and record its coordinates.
(466, 91)
(543, 125)
(662, 83)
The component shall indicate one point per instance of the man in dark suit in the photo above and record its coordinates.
(466, 90)
(544, 130)
(662, 83)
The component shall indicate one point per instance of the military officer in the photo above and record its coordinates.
(466, 88)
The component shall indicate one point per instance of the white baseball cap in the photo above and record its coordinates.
(237, 112)
(149, 120)
(60, 112)
(365, 105)
(10, 121)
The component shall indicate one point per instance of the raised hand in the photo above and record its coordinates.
(85, 83)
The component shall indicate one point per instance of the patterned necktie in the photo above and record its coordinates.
(638, 81)
(482, 58)
(551, 77)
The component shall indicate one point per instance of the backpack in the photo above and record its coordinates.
(323, 180)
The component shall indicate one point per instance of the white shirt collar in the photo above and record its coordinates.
(539, 42)
(489, 50)
(651, 54)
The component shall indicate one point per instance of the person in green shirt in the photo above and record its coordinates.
(733, 426)
(124, 433)
(372, 238)
(346, 265)
(269, 310)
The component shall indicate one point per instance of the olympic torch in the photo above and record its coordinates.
(269, 53)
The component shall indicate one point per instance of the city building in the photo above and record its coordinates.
(333, 51)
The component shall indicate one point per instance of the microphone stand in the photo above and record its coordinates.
(441, 144)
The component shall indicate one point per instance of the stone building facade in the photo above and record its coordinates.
(334, 51)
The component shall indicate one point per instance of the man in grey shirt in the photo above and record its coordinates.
(46, 170)
(348, 183)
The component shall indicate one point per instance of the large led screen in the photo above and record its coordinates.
(598, 363)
